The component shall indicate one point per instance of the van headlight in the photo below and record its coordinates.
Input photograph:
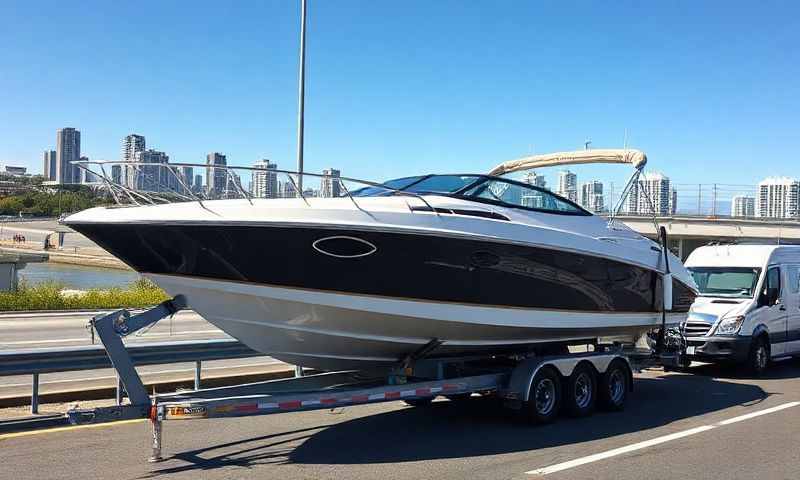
(729, 326)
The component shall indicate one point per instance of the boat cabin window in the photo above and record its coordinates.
(514, 194)
(442, 183)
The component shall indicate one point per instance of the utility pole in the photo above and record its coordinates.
(301, 94)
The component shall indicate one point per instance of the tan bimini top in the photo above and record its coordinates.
(637, 158)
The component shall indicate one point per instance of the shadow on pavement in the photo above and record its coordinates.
(481, 427)
(777, 371)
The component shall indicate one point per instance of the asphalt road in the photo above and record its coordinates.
(692, 425)
(29, 331)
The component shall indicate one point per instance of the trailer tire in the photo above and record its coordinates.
(544, 398)
(419, 402)
(614, 386)
(580, 392)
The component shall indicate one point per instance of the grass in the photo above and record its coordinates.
(48, 296)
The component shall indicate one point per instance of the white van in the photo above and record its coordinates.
(748, 310)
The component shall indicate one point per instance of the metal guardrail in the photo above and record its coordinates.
(65, 359)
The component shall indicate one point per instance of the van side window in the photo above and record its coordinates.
(793, 277)
(773, 279)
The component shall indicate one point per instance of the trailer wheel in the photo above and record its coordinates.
(419, 402)
(544, 398)
(581, 391)
(614, 386)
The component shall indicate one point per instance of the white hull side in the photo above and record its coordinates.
(333, 331)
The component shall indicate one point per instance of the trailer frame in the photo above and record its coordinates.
(417, 379)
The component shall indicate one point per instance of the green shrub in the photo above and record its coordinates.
(48, 296)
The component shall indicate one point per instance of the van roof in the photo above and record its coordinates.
(754, 256)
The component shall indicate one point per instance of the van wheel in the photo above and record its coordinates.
(544, 398)
(581, 391)
(758, 359)
(613, 387)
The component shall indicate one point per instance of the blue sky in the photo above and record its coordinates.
(709, 90)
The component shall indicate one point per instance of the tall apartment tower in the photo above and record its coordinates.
(655, 189)
(131, 145)
(330, 186)
(264, 182)
(216, 178)
(743, 206)
(49, 168)
(149, 176)
(532, 178)
(568, 185)
(68, 149)
(778, 198)
(592, 196)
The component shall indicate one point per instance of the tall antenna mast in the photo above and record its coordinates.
(301, 96)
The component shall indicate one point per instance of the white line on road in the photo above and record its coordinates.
(653, 442)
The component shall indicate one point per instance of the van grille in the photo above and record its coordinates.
(696, 328)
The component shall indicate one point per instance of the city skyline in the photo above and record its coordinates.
(395, 109)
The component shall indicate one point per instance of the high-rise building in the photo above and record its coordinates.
(187, 177)
(68, 149)
(331, 185)
(652, 195)
(131, 144)
(49, 168)
(592, 196)
(778, 198)
(150, 177)
(197, 186)
(264, 182)
(568, 185)
(532, 178)
(85, 176)
(116, 174)
(216, 178)
(743, 206)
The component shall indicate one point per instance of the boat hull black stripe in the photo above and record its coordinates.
(404, 266)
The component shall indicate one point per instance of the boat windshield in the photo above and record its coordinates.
(737, 282)
(480, 188)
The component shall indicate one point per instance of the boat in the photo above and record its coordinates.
(446, 264)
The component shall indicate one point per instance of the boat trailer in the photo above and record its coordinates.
(417, 380)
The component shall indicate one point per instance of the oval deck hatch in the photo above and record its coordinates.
(344, 247)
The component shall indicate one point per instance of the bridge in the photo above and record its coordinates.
(686, 233)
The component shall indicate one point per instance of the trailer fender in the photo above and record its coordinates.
(519, 384)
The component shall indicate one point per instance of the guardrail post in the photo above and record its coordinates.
(298, 371)
(35, 394)
(198, 365)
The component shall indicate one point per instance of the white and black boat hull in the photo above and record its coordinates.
(333, 331)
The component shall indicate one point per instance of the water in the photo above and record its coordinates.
(76, 276)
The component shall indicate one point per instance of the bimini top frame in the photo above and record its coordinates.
(636, 158)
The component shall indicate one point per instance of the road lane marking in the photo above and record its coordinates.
(6, 436)
(767, 411)
(655, 441)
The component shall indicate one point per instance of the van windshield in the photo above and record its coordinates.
(737, 282)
